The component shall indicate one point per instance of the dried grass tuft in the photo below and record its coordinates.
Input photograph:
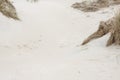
(115, 31)
(92, 6)
(7, 9)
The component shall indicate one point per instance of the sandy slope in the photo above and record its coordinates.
(43, 45)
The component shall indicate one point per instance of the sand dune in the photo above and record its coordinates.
(45, 44)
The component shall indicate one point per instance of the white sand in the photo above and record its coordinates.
(43, 45)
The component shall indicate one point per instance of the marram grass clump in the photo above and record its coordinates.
(111, 26)
(7, 9)
(115, 32)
